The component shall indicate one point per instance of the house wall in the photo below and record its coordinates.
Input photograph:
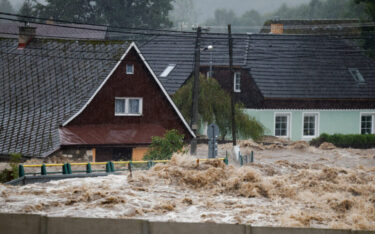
(156, 108)
(329, 121)
(250, 95)
(156, 111)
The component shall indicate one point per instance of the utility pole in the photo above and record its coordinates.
(194, 119)
(231, 74)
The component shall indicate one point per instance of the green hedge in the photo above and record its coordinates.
(344, 141)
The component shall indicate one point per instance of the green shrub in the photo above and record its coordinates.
(15, 160)
(344, 141)
(5, 175)
(11, 174)
(163, 147)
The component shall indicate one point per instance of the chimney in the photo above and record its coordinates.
(25, 35)
(50, 21)
(277, 28)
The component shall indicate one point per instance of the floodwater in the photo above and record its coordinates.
(281, 193)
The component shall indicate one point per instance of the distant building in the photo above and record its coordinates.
(89, 98)
(313, 27)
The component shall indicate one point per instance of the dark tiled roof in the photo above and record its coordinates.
(10, 30)
(45, 84)
(301, 66)
(178, 48)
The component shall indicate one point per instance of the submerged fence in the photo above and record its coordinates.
(110, 167)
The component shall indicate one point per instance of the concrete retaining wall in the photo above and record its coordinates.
(37, 224)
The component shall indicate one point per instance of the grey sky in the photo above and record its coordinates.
(206, 8)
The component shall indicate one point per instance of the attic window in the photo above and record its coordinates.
(167, 70)
(357, 75)
(129, 69)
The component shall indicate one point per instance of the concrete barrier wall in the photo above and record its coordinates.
(37, 224)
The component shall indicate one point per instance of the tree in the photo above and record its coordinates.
(6, 6)
(222, 17)
(183, 13)
(119, 13)
(27, 8)
(369, 6)
(368, 32)
(164, 147)
(214, 106)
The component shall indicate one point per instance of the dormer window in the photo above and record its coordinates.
(129, 69)
(167, 70)
(357, 76)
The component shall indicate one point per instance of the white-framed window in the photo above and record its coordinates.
(129, 69)
(282, 125)
(367, 123)
(310, 125)
(128, 106)
(237, 82)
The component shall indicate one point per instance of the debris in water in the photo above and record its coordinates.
(283, 193)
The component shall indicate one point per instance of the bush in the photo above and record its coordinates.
(344, 141)
(5, 175)
(8, 175)
(163, 147)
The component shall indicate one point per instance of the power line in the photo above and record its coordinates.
(167, 32)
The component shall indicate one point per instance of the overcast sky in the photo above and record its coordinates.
(206, 8)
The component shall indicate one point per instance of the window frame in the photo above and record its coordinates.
(316, 130)
(239, 82)
(140, 108)
(126, 69)
(372, 114)
(289, 125)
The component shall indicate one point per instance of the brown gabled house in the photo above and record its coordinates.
(90, 99)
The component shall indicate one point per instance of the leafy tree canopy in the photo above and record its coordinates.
(164, 147)
(368, 32)
(215, 106)
(119, 13)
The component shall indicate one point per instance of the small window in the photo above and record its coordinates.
(128, 106)
(310, 125)
(357, 76)
(129, 69)
(167, 70)
(282, 125)
(237, 82)
(367, 123)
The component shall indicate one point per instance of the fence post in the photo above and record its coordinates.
(43, 169)
(21, 170)
(88, 168)
(108, 168)
(252, 156)
(241, 160)
(64, 169)
(226, 160)
(112, 165)
(68, 168)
